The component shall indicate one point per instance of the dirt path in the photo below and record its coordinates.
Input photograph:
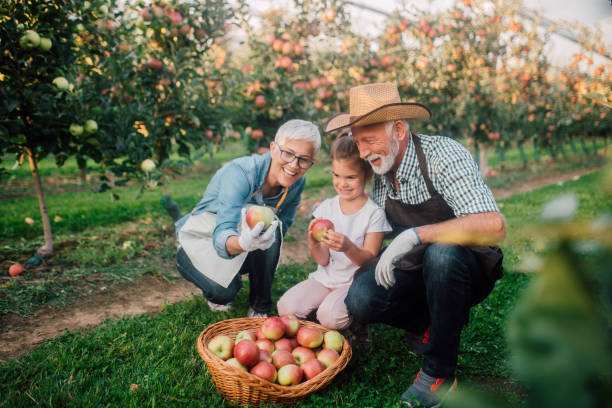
(148, 295)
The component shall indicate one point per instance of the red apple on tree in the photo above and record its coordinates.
(222, 346)
(260, 101)
(312, 368)
(145, 13)
(319, 227)
(254, 215)
(302, 354)
(265, 370)
(154, 63)
(327, 356)
(290, 374)
(310, 337)
(247, 353)
(292, 324)
(257, 134)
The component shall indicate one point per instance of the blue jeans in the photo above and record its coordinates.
(450, 282)
(260, 265)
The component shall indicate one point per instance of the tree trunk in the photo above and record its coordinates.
(502, 154)
(585, 149)
(594, 142)
(573, 145)
(164, 186)
(82, 162)
(47, 249)
(483, 156)
(522, 153)
(553, 152)
(536, 152)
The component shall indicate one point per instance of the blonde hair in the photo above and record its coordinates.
(345, 148)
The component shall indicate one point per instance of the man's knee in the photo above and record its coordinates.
(222, 295)
(444, 263)
(358, 299)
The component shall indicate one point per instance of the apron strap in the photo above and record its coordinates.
(279, 201)
(423, 164)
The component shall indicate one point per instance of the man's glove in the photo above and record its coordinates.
(401, 245)
(251, 240)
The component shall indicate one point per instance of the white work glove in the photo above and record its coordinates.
(401, 245)
(253, 239)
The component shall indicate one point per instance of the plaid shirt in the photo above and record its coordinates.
(452, 171)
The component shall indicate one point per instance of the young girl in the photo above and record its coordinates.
(359, 227)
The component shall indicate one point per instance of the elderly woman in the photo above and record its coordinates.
(216, 246)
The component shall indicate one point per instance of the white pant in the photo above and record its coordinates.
(311, 295)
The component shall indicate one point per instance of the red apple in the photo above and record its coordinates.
(333, 340)
(281, 358)
(236, 363)
(264, 355)
(312, 367)
(327, 356)
(15, 269)
(264, 370)
(265, 344)
(294, 342)
(186, 29)
(290, 374)
(260, 101)
(259, 334)
(292, 324)
(273, 327)
(209, 134)
(283, 344)
(154, 63)
(257, 134)
(200, 33)
(277, 45)
(246, 335)
(310, 337)
(287, 48)
(319, 227)
(247, 353)
(176, 17)
(254, 215)
(222, 346)
(302, 354)
(146, 14)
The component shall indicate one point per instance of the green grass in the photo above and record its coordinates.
(158, 352)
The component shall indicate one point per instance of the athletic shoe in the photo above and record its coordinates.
(253, 313)
(219, 308)
(428, 391)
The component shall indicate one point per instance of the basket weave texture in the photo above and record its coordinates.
(242, 388)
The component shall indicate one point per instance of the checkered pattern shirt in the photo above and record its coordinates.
(452, 171)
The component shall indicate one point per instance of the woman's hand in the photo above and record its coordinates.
(336, 241)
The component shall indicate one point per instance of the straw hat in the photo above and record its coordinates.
(376, 103)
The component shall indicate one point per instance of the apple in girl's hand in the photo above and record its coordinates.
(290, 374)
(302, 354)
(264, 370)
(222, 346)
(236, 363)
(283, 344)
(247, 353)
(310, 337)
(259, 213)
(312, 367)
(327, 356)
(246, 335)
(319, 227)
(281, 358)
(265, 344)
(333, 340)
(292, 324)
(273, 328)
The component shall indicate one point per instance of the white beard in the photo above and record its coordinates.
(386, 161)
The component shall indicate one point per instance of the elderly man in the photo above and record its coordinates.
(439, 263)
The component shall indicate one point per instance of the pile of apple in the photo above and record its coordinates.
(281, 350)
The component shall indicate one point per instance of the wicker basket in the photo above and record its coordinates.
(242, 388)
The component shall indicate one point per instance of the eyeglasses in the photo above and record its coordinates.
(288, 157)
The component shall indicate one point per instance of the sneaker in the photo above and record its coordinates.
(253, 313)
(358, 335)
(219, 308)
(427, 391)
(417, 343)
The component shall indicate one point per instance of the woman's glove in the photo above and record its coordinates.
(251, 240)
(401, 245)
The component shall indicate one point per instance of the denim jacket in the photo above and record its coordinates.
(235, 185)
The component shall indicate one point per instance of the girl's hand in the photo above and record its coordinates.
(336, 241)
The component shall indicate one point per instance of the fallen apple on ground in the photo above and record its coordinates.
(15, 269)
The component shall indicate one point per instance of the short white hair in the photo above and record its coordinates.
(297, 129)
(389, 126)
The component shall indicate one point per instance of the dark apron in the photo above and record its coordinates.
(404, 216)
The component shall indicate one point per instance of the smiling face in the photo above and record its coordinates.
(377, 147)
(286, 174)
(348, 178)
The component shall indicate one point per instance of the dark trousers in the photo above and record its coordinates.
(260, 265)
(440, 295)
